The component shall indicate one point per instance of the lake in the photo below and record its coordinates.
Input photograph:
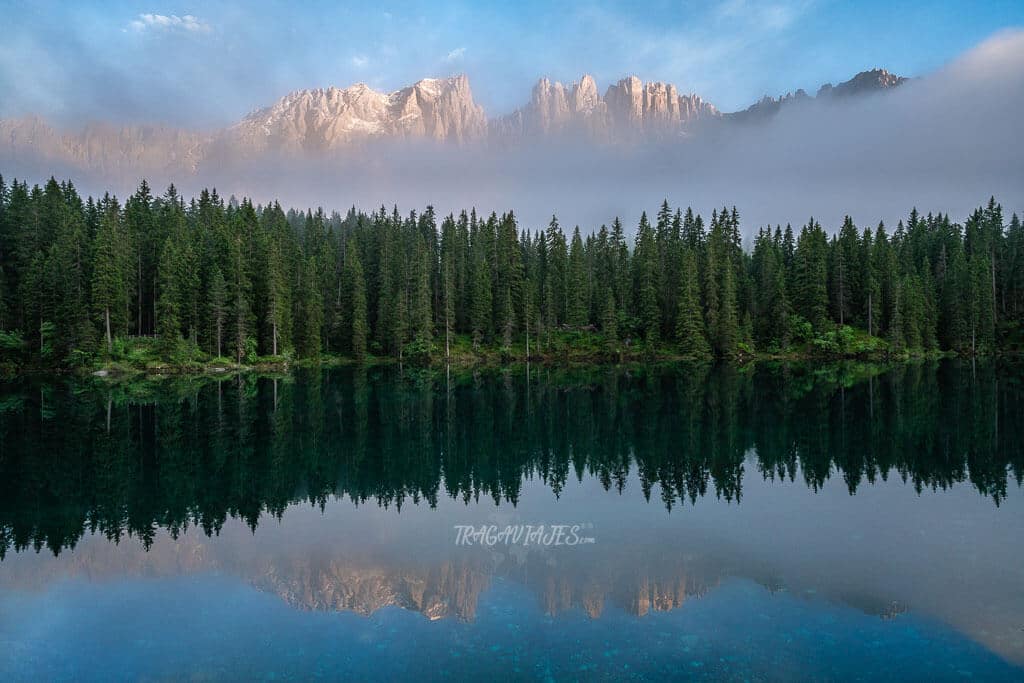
(767, 522)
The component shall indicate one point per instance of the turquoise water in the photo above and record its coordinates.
(210, 627)
(774, 523)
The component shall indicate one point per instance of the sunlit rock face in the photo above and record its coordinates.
(338, 123)
(630, 111)
(330, 118)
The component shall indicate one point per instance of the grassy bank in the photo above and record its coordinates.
(137, 356)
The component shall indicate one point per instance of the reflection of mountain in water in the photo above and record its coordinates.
(453, 588)
(636, 581)
(318, 564)
(448, 590)
(353, 580)
(178, 455)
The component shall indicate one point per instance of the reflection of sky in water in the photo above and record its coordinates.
(940, 561)
(210, 626)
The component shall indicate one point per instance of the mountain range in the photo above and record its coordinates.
(327, 120)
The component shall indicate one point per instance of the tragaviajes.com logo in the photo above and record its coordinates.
(546, 535)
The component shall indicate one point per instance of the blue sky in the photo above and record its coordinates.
(207, 64)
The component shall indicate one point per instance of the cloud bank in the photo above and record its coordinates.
(163, 22)
(942, 143)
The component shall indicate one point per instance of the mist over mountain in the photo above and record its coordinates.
(869, 146)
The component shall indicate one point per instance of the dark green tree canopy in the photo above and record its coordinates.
(215, 277)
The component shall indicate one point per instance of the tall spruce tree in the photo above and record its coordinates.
(218, 301)
(690, 332)
(646, 283)
(577, 313)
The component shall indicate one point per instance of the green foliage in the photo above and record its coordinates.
(47, 332)
(211, 278)
(800, 331)
(251, 354)
(12, 342)
(419, 351)
(309, 313)
(647, 283)
(690, 329)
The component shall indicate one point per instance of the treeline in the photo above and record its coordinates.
(194, 454)
(210, 277)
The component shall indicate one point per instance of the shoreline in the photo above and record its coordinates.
(486, 360)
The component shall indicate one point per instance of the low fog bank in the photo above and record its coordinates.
(943, 143)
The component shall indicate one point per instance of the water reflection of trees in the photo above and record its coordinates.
(129, 460)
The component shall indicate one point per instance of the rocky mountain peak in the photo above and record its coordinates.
(628, 111)
(864, 82)
(442, 110)
(327, 118)
(585, 97)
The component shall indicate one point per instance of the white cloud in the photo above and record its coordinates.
(455, 55)
(164, 22)
(359, 61)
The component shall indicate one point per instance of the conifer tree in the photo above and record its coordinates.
(422, 323)
(555, 276)
(952, 310)
(872, 283)
(242, 280)
(449, 317)
(690, 331)
(109, 286)
(771, 311)
(720, 290)
(309, 318)
(981, 308)
(238, 293)
(141, 233)
(218, 307)
(480, 302)
(168, 309)
(576, 316)
(279, 305)
(895, 328)
(610, 322)
(508, 277)
(621, 278)
(646, 283)
(357, 284)
(810, 293)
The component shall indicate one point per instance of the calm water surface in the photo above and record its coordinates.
(763, 523)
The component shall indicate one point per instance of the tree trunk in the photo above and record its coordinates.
(842, 296)
(153, 328)
(110, 340)
(870, 315)
(138, 322)
(527, 337)
(995, 301)
(274, 335)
